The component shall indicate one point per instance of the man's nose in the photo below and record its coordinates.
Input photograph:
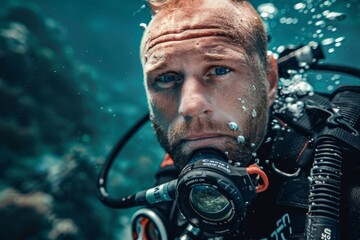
(195, 99)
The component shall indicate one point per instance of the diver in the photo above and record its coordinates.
(246, 158)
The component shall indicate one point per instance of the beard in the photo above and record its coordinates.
(173, 144)
(253, 129)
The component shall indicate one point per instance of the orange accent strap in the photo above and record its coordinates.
(144, 223)
(168, 161)
(302, 150)
(142, 234)
(255, 169)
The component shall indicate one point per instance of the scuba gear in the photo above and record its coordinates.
(213, 195)
(147, 222)
(325, 175)
(318, 126)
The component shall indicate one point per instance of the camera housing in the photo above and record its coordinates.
(214, 195)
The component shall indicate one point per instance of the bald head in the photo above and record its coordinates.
(178, 20)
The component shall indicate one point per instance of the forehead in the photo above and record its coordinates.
(203, 49)
(210, 18)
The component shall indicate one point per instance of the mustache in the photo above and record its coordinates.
(194, 126)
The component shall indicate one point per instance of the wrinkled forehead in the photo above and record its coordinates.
(208, 19)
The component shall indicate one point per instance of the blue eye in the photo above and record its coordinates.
(168, 80)
(220, 71)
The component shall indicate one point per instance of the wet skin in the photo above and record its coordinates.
(198, 79)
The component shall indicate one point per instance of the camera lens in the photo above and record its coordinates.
(209, 203)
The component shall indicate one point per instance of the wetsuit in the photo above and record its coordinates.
(286, 156)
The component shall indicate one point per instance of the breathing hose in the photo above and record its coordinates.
(325, 176)
(324, 197)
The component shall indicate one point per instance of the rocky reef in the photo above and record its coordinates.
(47, 169)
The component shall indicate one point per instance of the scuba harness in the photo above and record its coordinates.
(213, 195)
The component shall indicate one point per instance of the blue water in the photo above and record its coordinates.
(104, 36)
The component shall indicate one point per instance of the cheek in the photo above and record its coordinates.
(236, 100)
(163, 109)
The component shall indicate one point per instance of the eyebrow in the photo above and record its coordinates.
(216, 55)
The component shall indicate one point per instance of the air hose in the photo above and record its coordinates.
(324, 197)
(325, 176)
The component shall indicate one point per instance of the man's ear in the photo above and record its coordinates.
(272, 76)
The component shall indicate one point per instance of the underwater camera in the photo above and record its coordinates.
(212, 194)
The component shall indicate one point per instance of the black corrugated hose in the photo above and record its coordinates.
(325, 176)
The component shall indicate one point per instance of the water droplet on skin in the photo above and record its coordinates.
(233, 126)
(240, 139)
(253, 113)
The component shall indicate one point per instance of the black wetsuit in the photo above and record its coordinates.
(280, 212)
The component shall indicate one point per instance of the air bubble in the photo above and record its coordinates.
(267, 10)
(253, 113)
(276, 126)
(240, 139)
(143, 25)
(339, 39)
(299, 6)
(233, 126)
(327, 41)
(335, 16)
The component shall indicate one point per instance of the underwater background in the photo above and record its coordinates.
(71, 86)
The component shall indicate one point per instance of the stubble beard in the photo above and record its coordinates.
(253, 129)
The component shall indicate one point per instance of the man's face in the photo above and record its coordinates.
(199, 82)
